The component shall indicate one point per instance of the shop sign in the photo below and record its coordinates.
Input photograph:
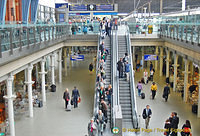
(150, 57)
(76, 57)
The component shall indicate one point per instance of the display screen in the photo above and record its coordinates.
(82, 7)
(107, 7)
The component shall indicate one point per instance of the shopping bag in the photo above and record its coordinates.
(79, 100)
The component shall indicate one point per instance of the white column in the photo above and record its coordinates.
(198, 115)
(156, 62)
(36, 72)
(142, 57)
(167, 63)
(60, 65)
(161, 61)
(133, 55)
(10, 98)
(42, 73)
(183, 4)
(29, 82)
(161, 6)
(65, 60)
(186, 80)
(53, 69)
(175, 70)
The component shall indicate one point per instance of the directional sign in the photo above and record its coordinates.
(150, 57)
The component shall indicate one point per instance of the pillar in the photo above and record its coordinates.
(60, 65)
(65, 60)
(70, 53)
(161, 61)
(36, 72)
(167, 63)
(161, 6)
(53, 69)
(91, 15)
(175, 70)
(156, 62)
(133, 55)
(142, 57)
(29, 82)
(192, 70)
(198, 114)
(10, 97)
(186, 80)
(42, 73)
(183, 4)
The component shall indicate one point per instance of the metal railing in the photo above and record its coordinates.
(132, 82)
(19, 36)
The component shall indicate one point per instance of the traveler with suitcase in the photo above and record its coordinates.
(139, 87)
(66, 97)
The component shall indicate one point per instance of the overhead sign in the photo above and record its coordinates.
(106, 7)
(79, 14)
(76, 7)
(150, 57)
(61, 5)
(76, 57)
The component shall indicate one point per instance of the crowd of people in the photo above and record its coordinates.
(98, 123)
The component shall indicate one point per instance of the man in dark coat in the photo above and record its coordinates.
(174, 120)
(166, 92)
(75, 95)
(120, 67)
(147, 115)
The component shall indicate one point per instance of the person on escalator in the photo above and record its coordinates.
(100, 119)
(120, 67)
(104, 109)
(109, 93)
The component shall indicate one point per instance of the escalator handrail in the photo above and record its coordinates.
(132, 83)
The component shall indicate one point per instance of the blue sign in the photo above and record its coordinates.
(82, 7)
(61, 5)
(107, 7)
(150, 57)
(76, 57)
(61, 18)
(105, 13)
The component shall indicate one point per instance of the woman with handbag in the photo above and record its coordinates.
(186, 129)
(167, 127)
(66, 97)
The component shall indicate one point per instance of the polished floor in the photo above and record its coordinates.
(52, 119)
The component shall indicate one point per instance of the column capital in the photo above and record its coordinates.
(53, 54)
(186, 72)
(60, 60)
(10, 78)
(42, 72)
(12, 97)
(43, 60)
(30, 67)
(32, 82)
(175, 65)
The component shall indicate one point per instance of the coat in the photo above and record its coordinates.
(119, 65)
(166, 91)
(94, 129)
(66, 96)
(174, 122)
(75, 93)
(145, 115)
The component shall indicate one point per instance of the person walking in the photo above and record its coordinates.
(92, 128)
(66, 97)
(139, 87)
(151, 75)
(151, 66)
(167, 127)
(153, 90)
(147, 115)
(75, 96)
(91, 67)
(186, 129)
(120, 68)
(174, 120)
(145, 76)
(166, 92)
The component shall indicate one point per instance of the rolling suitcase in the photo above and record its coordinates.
(69, 107)
(40, 104)
(142, 95)
(194, 108)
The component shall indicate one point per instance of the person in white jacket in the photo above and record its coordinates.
(145, 76)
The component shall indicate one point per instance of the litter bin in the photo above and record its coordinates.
(53, 88)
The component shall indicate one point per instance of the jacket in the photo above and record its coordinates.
(166, 91)
(139, 86)
(119, 65)
(154, 87)
(75, 93)
(66, 96)
(174, 122)
(145, 115)
(127, 67)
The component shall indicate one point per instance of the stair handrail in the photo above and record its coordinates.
(132, 82)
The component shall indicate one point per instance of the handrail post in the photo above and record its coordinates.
(0, 46)
(20, 38)
(11, 40)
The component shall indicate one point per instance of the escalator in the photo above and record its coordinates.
(124, 88)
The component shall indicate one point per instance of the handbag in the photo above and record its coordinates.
(72, 102)
(79, 100)
(165, 133)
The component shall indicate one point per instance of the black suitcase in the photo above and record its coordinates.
(40, 104)
(53, 88)
(142, 95)
(194, 108)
